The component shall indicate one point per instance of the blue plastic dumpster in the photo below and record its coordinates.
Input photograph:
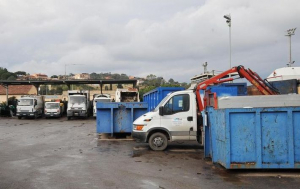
(117, 117)
(253, 138)
(154, 96)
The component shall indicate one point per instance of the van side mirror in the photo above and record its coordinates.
(35, 102)
(161, 111)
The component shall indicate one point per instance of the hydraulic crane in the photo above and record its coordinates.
(252, 77)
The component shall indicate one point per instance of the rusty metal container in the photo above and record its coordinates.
(117, 117)
(253, 138)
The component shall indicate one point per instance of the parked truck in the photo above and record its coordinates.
(179, 116)
(78, 104)
(100, 98)
(127, 95)
(54, 109)
(30, 106)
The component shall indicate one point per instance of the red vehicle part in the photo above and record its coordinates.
(251, 76)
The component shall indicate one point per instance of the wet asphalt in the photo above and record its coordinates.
(56, 153)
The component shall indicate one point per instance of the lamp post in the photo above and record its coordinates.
(228, 21)
(290, 32)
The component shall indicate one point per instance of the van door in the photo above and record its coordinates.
(177, 117)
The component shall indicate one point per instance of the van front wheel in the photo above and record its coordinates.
(158, 141)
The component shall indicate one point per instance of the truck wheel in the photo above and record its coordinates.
(19, 117)
(158, 141)
(69, 117)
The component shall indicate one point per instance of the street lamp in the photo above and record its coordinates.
(290, 32)
(228, 21)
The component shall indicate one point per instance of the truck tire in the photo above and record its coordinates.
(158, 141)
(69, 117)
(19, 117)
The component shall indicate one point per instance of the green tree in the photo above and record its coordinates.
(20, 73)
(54, 76)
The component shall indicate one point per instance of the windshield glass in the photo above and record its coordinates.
(25, 102)
(102, 100)
(77, 99)
(52, 105)
(161, 102)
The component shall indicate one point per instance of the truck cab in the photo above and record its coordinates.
(53, 109)
(78, 106)
(30, 106)
(100, 98)
(174, 119)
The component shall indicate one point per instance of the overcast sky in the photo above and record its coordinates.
(168, 38)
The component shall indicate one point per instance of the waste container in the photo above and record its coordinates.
(154, 96)
(117, 117)
(253, 138)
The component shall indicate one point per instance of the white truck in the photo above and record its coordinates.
(78, 104)
(54, 109)
(178, 117)
(30, 106)
(100, 98)
(127, 95)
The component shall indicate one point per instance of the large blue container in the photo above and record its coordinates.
(154, 96)
(117, 117)
(254, 138)
(229, 89)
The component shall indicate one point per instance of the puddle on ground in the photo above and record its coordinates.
(227, 175)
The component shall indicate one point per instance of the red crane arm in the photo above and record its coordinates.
(251, 76)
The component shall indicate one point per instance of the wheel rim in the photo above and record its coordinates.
(158, 141)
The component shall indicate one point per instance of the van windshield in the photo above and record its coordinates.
(161, 102)
(25, 102)
(101, 100)
(52, 105)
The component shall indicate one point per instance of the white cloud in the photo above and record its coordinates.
(166, 38)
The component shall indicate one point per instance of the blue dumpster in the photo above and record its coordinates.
(253, 138)
(117, 117)
(154, 96)
(229, 89)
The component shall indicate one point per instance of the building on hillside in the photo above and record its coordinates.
(17, 91)
(82, 76)
(131, 77)
(40, 76)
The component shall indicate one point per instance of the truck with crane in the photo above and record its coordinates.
(179, 116)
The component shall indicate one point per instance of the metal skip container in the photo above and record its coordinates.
(117, 117)
(154, 96)
(254, 137)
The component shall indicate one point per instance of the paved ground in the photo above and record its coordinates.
(56, 153)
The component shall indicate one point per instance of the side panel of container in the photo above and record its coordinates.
(254, 137)
(118, 117)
